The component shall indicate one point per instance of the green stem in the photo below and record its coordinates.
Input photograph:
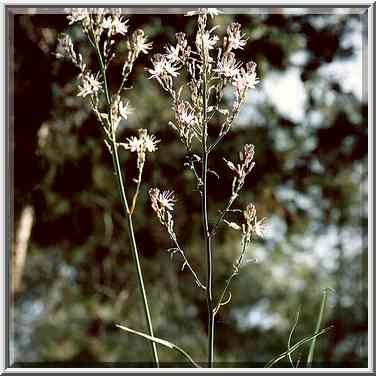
(115, 158)
(318, 325)
(132, 238)
(205, 222)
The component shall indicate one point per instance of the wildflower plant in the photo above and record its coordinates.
(208, 67)
(196, 76)
(100, 27)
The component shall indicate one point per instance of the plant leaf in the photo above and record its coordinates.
(290, 336)
(318, 325)
(296, 347)
(161, 342)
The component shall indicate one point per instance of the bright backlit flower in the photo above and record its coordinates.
(115, 25)
(203, 11)
(205, 41)
(77, 15)
(228, 66)
(163, 66)
(259, 227)
(124, 110)
(140, 145)
(161, 200)
(236, 40)
(138, 42)
(90, 85)
(246, 78)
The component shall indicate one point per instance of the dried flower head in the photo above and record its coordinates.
(163, 204)
(90, 85)
(245, 166)
(252, 224)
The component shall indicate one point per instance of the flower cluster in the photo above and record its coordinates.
(90, 85)
(243, 168)
(101, 25)
(251, 225)
(102, 28)
(140, 145)
(205, 61)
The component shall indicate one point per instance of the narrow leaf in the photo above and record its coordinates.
(318, 325)
(290, 336)
(161, 342)
(296, 347)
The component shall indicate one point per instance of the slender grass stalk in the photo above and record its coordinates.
(161, 342)
(290, 337)
(318, 325)
(296, 347)
(127, 212)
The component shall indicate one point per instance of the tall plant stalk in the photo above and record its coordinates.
(195, 103)
(205, 222)
(100, 26)
(127, 213)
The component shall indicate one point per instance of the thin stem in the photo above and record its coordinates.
(116, 162)
(234, 273)
(134, 199)
(205, 222)
(132, 239)
(186, 263)
(318, 325)
(223, 213)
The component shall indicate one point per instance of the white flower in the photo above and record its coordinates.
(245, 166)
(162, 66)
(90, 85)
(161, 200)
(65, 48)
(172, 53)
(139, 42)
(259, 227)
(167, 200)
(150, 142)
(115, 25)
(183, 114)
(119, 25)
(133, 144)
(107, 23)
(77, 15)
(246, 78)
(144, 142)
(228, 66)
(206, 42)
(203, 11)
(235, 39)
(124, 110)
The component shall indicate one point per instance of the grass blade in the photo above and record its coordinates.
(318, 325)
(162, 342)
(290, 336)
(296, 347)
